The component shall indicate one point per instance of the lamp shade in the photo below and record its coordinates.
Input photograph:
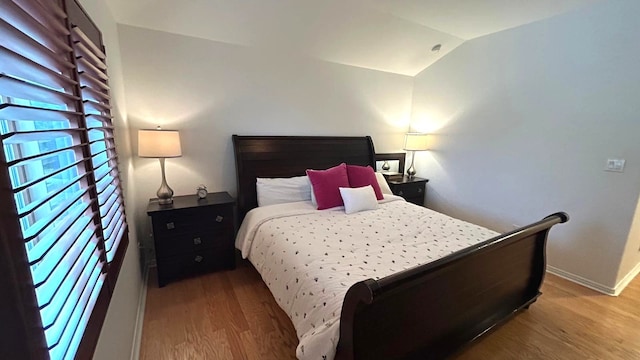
(416, 142)
(159, 143)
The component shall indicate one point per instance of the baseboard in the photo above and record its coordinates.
(142, 303)
(594, 285)
(627, 279)
(582, 281)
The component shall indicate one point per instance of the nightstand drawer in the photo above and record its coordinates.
(418, 200)
(173, 245)
(409, 190)
(188, 220)
(194, 263)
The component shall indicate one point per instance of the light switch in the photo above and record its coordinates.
(616, 165)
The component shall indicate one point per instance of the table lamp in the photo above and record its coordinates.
(160, 144)
(415, 142)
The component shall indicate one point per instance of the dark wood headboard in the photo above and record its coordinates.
(286, 156)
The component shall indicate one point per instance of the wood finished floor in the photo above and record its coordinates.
(232, 315)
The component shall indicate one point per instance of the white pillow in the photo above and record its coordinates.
(313, 195)
(272, 191)
(384, 186)
(358, 199)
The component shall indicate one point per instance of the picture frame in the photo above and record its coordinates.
(394, 161)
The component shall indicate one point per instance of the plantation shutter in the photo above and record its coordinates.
(92, 72)
(62, 229)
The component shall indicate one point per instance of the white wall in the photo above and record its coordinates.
(630, 265)
(210, 90)
(117, 335)
(524, 121)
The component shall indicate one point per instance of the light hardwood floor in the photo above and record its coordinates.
(232, 315)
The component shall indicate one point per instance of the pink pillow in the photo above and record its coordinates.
(326, 185)
(360, 176)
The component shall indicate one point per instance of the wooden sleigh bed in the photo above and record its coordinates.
(428, 312)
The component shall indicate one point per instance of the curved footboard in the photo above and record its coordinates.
(432, 311)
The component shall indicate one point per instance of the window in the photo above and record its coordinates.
(63, 231)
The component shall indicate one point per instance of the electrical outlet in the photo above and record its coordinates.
(615, 165)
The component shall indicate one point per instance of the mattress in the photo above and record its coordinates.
(309, 258)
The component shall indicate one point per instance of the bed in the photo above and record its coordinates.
(426, 311)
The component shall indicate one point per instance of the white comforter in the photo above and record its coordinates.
(310, 258)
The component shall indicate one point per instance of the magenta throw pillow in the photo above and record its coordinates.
(360, 176)
(326, 185)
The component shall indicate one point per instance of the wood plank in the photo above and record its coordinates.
(232, 315)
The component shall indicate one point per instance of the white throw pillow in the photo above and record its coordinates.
(313, 195)
(358, 199)
(384, 186)
(272, 191)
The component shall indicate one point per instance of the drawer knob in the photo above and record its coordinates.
(419, 190)
(171, 225)
(400, 193)
(198, 258)
(219, 218)
(197, 241)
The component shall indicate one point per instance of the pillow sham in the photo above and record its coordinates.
(384, 185)
(360, 176)
(271, 191)
(325, 185)
(358, 199)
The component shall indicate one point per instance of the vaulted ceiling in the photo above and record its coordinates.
(388, 35)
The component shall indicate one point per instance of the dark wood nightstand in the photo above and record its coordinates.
(193, 236)
(411, 189)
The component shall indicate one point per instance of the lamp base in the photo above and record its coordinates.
(168, 201)
(411, 171)
(164, 193)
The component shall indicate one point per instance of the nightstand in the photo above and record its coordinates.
(193, 235)
(411, 189)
